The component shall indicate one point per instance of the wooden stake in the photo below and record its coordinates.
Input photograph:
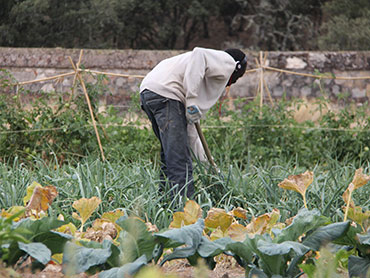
(76, 72)
(261, 81)
(46, 78)
(268, 92)
(89, 105)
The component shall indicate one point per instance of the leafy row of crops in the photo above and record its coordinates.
(118, 242)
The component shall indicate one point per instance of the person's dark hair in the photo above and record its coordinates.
(241, 65)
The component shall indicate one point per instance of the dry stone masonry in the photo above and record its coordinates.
(35, 63)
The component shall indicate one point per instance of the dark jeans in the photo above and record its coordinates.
(170, 126)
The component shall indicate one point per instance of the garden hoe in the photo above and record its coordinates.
(206, 149)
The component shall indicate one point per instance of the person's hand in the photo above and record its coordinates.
(193, 114)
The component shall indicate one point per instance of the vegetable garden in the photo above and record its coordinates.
(292, 198)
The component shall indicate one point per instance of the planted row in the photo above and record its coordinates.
(117, 244)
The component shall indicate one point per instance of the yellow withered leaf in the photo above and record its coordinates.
(41, 198)
(57, 258)
(11, 211)
(69, 228)
(76, 216)
(360, 179)
(274, 217)
(217, 217)
(85, 207)
(112, 216)
(239, 212)
(30, 190)
(357, 215)
(237, 232)
(192, 212)
(217, 234)
(264, 223)
(298, 183)
(258, 225)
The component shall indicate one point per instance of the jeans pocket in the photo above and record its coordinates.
(156, 104)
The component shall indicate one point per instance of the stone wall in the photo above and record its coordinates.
(35, 63)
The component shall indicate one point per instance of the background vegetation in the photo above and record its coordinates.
(177, 24)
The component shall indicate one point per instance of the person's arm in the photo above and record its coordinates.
(214, 64)
(194, 74)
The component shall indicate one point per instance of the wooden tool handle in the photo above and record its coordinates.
(205, 145)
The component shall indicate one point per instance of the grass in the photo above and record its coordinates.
(133, 186)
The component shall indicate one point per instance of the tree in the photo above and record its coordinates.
(276, 24)
(347, 26)
(164, 24)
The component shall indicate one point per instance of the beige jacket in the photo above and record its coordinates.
(198, 77)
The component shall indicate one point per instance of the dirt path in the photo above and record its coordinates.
(178, 269)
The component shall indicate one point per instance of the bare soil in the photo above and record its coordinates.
(178, 268)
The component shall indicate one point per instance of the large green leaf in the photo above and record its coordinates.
(37, 251)
(190, 235)
(349, 238)
(135, 240)
(77, 259)
(241, 252)
(269, 264)
(284, 248)
(358, 267)
(364, 239)
(126, 270)
(281, 253)
(40, 226)
(257, 273)
(55, 241)
(325, 234)
(303, 222)
(114, 260)
(208, 248)
(39, 231)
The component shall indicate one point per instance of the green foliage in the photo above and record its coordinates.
(358, 264)
(78, 259)
(121, 23)
(273, 254)
(53, 126)
(170, 24)
(345, 28)
(9, 234)
(325, 267)
(135, 240)
(34, 238)
(40, 232)
(256, 136)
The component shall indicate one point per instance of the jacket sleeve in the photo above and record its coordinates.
(205, 63)
(194, 73)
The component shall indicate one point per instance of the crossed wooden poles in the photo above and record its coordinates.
(78, 76)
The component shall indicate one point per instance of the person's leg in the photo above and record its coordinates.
(170, 126)
(155, 100)
(176, 149)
